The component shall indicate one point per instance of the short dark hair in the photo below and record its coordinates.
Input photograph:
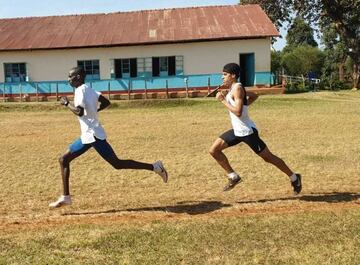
(79, 71)
(232, 68)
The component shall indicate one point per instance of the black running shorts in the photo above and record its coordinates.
(253, 140)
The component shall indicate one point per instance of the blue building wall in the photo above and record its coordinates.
(122, 85)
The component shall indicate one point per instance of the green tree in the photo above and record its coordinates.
(344, 15)
(335, 56)
(276, 62)
(302, 60)
(300, 33)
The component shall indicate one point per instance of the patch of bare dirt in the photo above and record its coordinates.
(190, 210)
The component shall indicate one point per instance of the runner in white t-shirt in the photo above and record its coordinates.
(237, 102)
(86, 107)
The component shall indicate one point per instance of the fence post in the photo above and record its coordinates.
(20, 88)
(37, 92)
(187, 87)
(4, 91)
(208, 85)
(129, 90)
(109, 89)
(57, 91)
(145, 89)
(167, 89)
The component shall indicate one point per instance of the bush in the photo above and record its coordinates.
(335, 85)
(296, 87)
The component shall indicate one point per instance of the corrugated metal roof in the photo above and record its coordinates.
(136, 28)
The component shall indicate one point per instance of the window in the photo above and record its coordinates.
(164, 66)
(92, 69)
(179, 65)
(125, 68)
(163, 61)
(15, 72)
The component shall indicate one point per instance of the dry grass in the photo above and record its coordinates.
(317, 134)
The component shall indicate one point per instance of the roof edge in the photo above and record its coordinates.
(139, 44)
(126, 12)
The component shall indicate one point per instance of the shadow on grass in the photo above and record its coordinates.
(334, 197)
(192, 208)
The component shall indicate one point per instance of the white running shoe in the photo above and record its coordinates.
(62, 201)
(160, 169)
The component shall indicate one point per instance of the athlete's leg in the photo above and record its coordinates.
(216, 152)
(76, 149)
(275, 160)
(295, 178)
(106, 151)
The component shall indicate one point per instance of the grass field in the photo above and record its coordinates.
(131, 217)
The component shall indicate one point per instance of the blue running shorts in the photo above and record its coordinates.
(101, 146)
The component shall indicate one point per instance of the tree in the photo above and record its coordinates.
(278, 11)
(300, 33)
(342, 14)
(303, 60)
(275, 62)
(335, 56)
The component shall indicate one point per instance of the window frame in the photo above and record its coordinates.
(20, 70)
(94, 65)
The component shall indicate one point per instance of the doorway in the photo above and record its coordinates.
(247, 68)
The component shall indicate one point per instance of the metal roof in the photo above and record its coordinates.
(136, 28)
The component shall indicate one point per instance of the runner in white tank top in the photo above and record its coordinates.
(237, 102)
(242, 125)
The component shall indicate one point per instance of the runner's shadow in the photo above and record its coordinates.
(188, 207)
(334, 197)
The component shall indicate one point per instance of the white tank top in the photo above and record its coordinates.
(242, 125)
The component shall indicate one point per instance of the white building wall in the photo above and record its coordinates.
(199, 57)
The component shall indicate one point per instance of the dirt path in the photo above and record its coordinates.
(198, 210)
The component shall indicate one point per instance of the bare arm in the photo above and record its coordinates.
(104, 103)
(251, 97)
(78, 111)
(238, 98)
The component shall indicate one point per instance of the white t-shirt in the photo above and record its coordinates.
(242, 125)
(87, 98)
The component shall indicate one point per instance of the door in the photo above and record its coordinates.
(247, 69)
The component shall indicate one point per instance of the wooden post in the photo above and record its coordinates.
(109, 89)
(57, 91)
(167, 89)
(20, 88)
(208, 85)
(145, 89)
(187, 87)
(129, 90)
(4, 91)
(37, 92)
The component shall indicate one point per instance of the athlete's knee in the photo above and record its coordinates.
(115, 162)
(63, 160)
(213, 151)
(117, 165)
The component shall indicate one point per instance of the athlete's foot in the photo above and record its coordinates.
(63, 200)
(160, 169)
(297, 185)
(232, 183)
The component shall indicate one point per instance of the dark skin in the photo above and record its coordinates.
(76, 80)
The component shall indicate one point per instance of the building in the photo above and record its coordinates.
(174, 44)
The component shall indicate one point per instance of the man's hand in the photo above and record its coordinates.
(64, 101)
(220, 96)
